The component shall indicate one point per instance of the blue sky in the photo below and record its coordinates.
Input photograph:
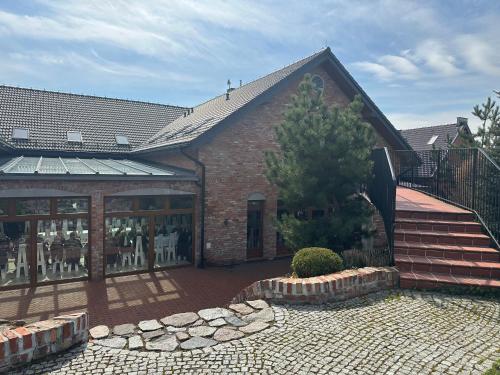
(422, 62)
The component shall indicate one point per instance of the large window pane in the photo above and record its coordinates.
(32, 207)
(173, 240)
(4, 207)
(181, 202)
(126, 244)
(62, 249)
(152, 203)
(14, 252)
(118, 204)
(72, 205)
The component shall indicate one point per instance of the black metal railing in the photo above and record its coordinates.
(465, 177)
(382, 192)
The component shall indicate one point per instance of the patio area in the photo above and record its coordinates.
(132, 298)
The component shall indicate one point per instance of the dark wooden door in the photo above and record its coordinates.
(255, 226)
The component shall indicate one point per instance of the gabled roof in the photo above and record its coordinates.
(50, 115)
(419, 138)
(214, 112)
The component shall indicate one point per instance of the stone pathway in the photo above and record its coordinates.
(399, 333)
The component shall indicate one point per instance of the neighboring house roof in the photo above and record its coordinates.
(76, 167)
(429, 137)
(48, 116)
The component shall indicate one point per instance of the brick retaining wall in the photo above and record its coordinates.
(21, 345)
(329, 288)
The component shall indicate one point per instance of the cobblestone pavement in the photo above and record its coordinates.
(398, 333)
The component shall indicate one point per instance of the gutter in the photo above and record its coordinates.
(201, 264)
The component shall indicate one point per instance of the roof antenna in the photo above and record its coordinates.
(228, 89)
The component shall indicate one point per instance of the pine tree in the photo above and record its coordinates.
(488, 134)
(324, 163)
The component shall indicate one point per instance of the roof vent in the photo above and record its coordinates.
(122, 140)
(20, 134)
(433, 139)
(74, 136)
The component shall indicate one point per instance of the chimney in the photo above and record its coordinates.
(462, 121)
(241, 83)
(227, 95)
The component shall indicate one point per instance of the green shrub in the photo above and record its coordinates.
(316, 261)
(494, 370)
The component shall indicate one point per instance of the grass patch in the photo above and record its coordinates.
(494, 370)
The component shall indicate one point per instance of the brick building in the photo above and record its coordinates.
(93, 186)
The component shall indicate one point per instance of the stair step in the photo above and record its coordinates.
(472, 253)
(434, 215)
(449, 238)
(407, 263)
(426, 280)
(438, 225)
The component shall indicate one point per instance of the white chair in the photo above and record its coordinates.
(40, 259)
(126, 257)
(160, 255)
(139, 251)
(171, 248)
(22, 261)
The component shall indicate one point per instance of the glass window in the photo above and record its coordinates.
(173, 242)
(32, 207)
(62, 249)
(118, 204)
(152, 203)
(180, 202)
(14, 252)
(72, 205)
(126, 244)
(4, 207)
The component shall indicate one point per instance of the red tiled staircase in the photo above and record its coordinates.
(438, 244)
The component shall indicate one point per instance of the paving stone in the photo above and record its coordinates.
(241, 308)
(258, 304)
(235, 321)
(199, 322)
(149, 325)
(153, 334)
(254, 327)
(99, 332)
(124, 329)
(135, 342)
(214, 313)
(224, 334)
(176, 329)
(182, 336)
(114, 342)
(264, 315)
(197, 343)
(180, 320)
(217, 322)
(201, 331)
(165, 344)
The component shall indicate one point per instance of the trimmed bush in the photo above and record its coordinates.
(316, 261)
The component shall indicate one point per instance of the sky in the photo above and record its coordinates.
(422, 62)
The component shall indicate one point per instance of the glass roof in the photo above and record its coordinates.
(79, 166)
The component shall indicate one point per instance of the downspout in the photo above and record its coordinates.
(201, 264)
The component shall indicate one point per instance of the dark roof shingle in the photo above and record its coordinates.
(418, 138)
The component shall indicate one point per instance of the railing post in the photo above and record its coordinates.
(474, 177)
(438, 171)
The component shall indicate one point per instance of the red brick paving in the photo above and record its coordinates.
(133, 298)
(412, 200)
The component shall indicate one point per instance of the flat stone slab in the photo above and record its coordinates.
(224, 334)
(235, 321)
(258, 304)
(217, 322)
(241, 308)
(199, 322)
(114, 342)
(172, 329)
(182, 336)
(214, 313)
(99, 332)
(124, 329)
(264, 315)
(254, 327)
(135, 342)
(180, 320)
(197, 343)
(153, 334)
(202, 331)
(166, 344)
(149, 325)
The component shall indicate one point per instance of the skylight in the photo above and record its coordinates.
(20, 133)
(433, 139)
(121, 140)
(74, 136)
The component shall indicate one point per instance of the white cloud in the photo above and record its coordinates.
(480, 54)
(380, 71)
(401, 65)
(435, 55)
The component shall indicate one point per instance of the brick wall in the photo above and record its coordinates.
(97, 190)
(21, 345)
(328, 288)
